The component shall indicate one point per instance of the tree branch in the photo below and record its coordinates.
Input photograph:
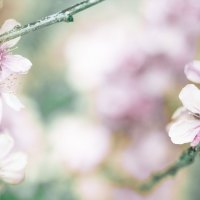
(184, 160)
(62, 16)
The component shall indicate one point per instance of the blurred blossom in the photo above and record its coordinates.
(129, 65)
(145, 155)
(12, 164)
(124, 45)
(192, 71)
(25, 128)
(187, 128)
(124, 98)
(93, 187)
(94, 53)
(119, 104)
(184, 14)
(79, 144)
(169, 42)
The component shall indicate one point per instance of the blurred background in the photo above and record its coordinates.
(100, 95)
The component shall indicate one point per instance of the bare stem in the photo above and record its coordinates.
(62, 16)
(184, 160)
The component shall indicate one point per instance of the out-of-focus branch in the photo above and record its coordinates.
(185, 159)
(62, 16)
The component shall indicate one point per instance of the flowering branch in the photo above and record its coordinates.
(184, 129)
(185, 159)
(62, 16)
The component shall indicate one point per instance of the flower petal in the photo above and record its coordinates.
(12, 101)
(192, 71)
(8, 26)
(17, 63)
(13, 168)
(14, 163)
(6, 144)
(190, 98)
(5, 73)
(196, 140)
(184, 131)
(12, 177)
(180, 112)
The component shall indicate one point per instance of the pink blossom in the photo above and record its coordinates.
(12, 164)
(10, 67)
(186, 127)
(10, 63)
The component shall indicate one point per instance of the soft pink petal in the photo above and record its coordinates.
(180, 112)
(12, 177)
(6, 144)
(8, 26)
(12, 101)
(17, 64)
(5, 73)
(16, 162)
(196, 140)
(190, 98)
(184, 131)
(192, 71)
(12, 167)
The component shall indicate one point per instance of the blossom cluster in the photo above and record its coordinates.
(130, 68)
(186, 125)
(12, 162)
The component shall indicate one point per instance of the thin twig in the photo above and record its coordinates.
(185, 159)
(62, 16)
